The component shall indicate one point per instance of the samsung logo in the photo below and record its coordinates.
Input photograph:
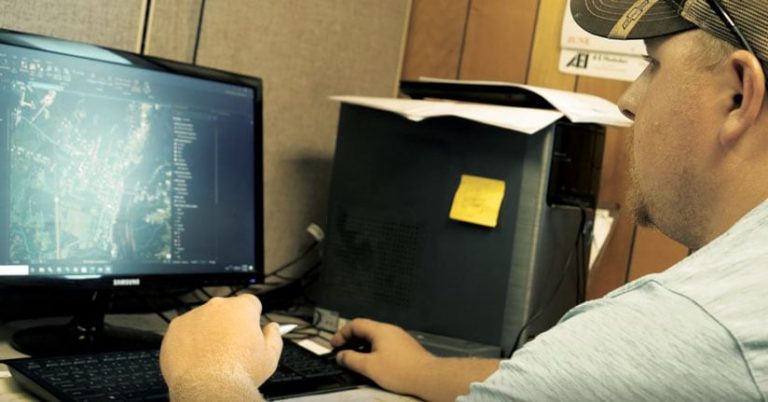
(126, 282)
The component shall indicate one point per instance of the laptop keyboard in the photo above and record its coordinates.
(135, 376)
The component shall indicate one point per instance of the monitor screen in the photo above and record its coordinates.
(117, 170)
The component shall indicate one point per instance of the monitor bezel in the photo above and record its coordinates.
(182, 280)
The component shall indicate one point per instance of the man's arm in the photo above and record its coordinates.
(397, 362)
(219, 352)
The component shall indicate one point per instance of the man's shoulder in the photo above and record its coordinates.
(644, 343)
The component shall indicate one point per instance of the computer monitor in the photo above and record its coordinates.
(118, 170)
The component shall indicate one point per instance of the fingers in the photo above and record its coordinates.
(273, 339)
(354, 361)
(358, 328)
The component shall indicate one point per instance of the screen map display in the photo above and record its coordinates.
(109, 169)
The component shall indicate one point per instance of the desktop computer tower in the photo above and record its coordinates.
(393, 254)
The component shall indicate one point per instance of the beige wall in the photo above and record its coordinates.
(304, 50)
(116, 24)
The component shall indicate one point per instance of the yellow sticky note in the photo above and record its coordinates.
(478, 200)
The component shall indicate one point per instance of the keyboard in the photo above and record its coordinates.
(135, 376)
(118, 376)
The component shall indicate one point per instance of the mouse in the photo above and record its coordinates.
(355, 344)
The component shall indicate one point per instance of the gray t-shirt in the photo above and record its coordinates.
(698, 331)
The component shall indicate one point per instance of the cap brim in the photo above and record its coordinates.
(628, 19)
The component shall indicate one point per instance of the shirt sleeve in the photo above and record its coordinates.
(645, 344)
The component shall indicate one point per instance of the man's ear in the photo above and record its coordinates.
(749, 95)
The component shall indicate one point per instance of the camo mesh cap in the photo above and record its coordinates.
(640, 19)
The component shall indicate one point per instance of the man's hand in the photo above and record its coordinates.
(394, 358)
(219, 352)
(397, 362)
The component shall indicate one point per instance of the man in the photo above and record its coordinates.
(699, 331)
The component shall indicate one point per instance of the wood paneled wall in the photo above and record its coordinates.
(519, 41)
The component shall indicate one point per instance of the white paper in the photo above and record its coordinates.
(524, 120)
(313, 347)
(600, 232)
(287, 328)
(601, 65)
(583, 53)
(578, 107)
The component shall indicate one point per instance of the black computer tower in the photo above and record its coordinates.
(392, 253)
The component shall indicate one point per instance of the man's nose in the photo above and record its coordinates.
(625, 105)
(628, 114)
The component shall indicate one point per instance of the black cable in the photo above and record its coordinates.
(583, 261)
(151, 306)
(579, 273)
(564, 270)
(163, 317)
(208, 295)
(303, 275)
(145, 28)
(198, 31)
(293, 261)
(276, 272)
(286, 278)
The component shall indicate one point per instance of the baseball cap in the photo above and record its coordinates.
(641, 19)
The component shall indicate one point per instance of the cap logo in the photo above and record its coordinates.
(627, 22)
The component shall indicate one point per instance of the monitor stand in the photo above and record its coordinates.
(85, 333)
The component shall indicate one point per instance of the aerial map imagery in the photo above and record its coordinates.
(88, 177)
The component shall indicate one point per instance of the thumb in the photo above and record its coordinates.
(273, 340)
(354, 361)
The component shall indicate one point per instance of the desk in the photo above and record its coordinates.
(10, 391)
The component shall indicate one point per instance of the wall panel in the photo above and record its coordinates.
(435, 39)
(545, 52)
(116, 24)
(305, 50)
(172, 29)
(498, 40)
(654, 252)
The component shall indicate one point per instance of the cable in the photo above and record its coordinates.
(198, 31)
(151, 306)
(145, 27)
(582, 263)
(208, 295)
(276, 273)
(289, 264)
(564, 270)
